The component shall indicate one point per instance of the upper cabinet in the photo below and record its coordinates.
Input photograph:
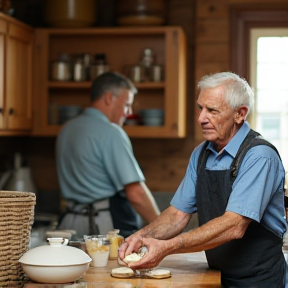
(16, 48)
(122, 47)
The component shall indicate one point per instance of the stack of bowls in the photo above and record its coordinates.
(69, 112)
(152, 117)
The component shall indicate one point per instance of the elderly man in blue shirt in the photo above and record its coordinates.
(235, 181)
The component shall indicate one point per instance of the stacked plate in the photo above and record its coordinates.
(152, 117)
(69, 112)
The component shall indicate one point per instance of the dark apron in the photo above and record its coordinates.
(255, 260)
(122, 213)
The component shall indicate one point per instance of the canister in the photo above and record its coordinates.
(79, 68)
(156, 73)
(61, 70)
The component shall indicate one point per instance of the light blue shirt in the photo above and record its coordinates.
(94, 158)
(257, 191)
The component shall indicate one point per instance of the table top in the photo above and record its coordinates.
(188, 270)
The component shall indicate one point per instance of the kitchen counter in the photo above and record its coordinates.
(188, 270)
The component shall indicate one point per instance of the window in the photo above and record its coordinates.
(269, 78)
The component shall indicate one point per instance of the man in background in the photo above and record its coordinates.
(98, 174)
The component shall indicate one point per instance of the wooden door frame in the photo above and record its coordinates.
(242, 19)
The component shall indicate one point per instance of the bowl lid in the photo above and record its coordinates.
(57, 253)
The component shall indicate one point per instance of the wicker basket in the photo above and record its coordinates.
(16, 218)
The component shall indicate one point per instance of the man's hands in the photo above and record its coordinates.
(156, 251)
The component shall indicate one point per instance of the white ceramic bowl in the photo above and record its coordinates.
(55, 263)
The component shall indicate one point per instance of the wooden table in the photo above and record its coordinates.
(188, 271)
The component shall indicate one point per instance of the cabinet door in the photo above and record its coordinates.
(19, 77)
(3, 29)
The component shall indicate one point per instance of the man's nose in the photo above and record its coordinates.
(202, 116)
(129, 111)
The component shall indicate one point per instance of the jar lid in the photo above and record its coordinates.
(57, 253)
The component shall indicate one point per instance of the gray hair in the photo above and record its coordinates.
(113, 82)
(237, 91)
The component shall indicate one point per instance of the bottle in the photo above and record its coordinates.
(147, 59)
(79, 68)
(116, 241)
(99, 67)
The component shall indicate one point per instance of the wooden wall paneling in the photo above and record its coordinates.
(207, 9)
(3, 31)
(171, 168)
(212, 66)
(215, 30)
(182, 13)
(40, 93)
(212, 52)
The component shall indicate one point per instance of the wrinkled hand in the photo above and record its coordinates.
(156, 251)
(130, 245)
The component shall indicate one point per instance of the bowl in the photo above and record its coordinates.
(55, 263)
(70, 13)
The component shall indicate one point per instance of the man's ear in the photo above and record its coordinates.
(241, 114)
(108, 98)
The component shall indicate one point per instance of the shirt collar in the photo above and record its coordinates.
(233, 146)
(90, 111)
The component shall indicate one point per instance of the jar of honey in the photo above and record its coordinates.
(116, 241)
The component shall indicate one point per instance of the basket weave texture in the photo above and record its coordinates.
(16, 219)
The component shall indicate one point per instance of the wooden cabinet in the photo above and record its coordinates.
(122, 47)
(16, 44)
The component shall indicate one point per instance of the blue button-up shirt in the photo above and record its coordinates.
(257, 191)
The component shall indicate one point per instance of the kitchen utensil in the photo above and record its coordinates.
(137, 73)
(141, 12)
(21, 179)
(152, 117)
(79, 72)
(68, 112)
(70, 13)
(55, 263)
(99, 67)
(156, 73)
(61, 70)
(147, 59)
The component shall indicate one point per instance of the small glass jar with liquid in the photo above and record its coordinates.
(116, 241)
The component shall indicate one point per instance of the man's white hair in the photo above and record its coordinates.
(237, 91)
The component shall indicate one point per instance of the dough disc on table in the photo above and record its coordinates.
(122, 272)
(159, 273)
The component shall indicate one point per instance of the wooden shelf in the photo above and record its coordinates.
(169, 44)
(87, 84)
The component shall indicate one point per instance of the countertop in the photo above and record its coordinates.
(188, 270)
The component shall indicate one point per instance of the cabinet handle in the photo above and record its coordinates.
(1, 110)
(11, 111)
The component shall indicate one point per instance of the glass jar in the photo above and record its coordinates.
(79, 68)
(147, 59)
(116, 241)
(99, 67)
